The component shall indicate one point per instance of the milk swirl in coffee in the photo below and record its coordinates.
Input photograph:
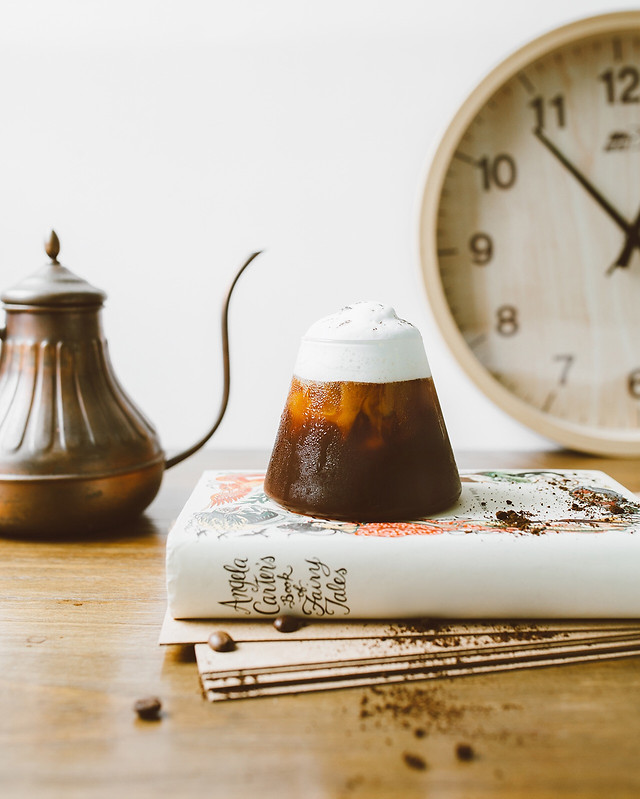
(362, 437)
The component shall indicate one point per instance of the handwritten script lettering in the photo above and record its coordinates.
(242, 584)
(327, 590)
(265, 587)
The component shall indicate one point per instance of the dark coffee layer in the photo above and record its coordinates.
(363, 452)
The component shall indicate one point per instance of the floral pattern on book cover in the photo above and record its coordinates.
(238, 507)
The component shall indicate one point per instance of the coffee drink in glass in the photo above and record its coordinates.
(362, 437)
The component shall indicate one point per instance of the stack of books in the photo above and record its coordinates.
(471, 585)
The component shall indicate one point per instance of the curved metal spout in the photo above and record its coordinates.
(226, 367)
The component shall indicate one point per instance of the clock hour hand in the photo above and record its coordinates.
(586, 184)
(632, 241)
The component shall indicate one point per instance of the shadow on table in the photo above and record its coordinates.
(141, 527)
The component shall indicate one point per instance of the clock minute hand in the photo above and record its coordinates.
(591, 189)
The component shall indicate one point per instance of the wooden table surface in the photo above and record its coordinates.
(79, 625)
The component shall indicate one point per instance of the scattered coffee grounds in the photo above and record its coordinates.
(451, 636)
(414, 761)
(465, 752)
(221, 642)
(514, 518)
(287, 624)
(414, 626)
(602, 504)
(410, 703)
(148, 709)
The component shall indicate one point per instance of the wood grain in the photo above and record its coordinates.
(79, 625)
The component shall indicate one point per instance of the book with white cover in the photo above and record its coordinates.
(518, 544)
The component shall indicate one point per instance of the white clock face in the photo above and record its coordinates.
(534, 233)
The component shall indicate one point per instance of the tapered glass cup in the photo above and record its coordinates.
(362, 436)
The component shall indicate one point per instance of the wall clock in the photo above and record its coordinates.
(530, 235)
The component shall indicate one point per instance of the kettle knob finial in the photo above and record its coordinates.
(52, 247)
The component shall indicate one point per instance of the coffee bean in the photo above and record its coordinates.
(221, 642)
(287, 624)
(148, 708)
(415, 761)
(465, 752)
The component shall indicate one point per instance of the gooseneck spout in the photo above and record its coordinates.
(226, 371)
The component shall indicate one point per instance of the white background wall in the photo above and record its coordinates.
(164, 141)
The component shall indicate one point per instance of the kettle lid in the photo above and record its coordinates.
(53, 285)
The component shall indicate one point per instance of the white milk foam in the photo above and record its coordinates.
(362, 343)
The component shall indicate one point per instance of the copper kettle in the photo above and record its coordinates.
(76, 454)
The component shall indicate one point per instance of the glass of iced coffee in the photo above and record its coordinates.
(362, 437)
